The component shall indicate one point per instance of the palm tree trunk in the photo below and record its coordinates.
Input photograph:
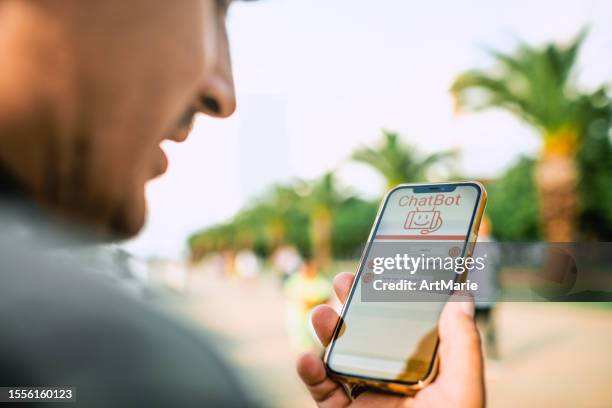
(556, 180)
(276, 233)
(321, 236)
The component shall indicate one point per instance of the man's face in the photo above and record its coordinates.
(97, 86)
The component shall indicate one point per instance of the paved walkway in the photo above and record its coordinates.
(552, 355)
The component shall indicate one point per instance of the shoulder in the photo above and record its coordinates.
(63, 326)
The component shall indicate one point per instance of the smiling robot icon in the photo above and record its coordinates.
(427, 221)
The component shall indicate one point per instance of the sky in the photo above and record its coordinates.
(317, 79)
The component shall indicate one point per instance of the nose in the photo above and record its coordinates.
(217, 96)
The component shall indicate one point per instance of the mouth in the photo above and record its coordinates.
(180, 134)
(184, 126)
(161, 164)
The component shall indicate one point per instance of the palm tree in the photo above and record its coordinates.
(319, 202)
(271, 213)
(537, 85)
(399, 162)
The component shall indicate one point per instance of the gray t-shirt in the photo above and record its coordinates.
(62, 325)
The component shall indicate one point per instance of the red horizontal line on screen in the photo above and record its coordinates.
(423, 237)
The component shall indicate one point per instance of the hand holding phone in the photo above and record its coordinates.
(398, 346)
(460, 381)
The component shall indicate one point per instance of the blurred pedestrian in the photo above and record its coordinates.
(247, 264)
(304, 290)
(286, 260)
(486, 296)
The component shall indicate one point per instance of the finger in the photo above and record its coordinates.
(325, 391)
(324, 320)
(460, 352)
(342, 285)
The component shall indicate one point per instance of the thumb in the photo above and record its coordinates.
(460, 352)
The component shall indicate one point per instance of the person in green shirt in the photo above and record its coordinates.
(304, 290)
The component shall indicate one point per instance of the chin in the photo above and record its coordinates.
(129, 218)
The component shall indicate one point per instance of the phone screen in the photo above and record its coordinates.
(397, 340)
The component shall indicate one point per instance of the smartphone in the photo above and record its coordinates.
(392, 345)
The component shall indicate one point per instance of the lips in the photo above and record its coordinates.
(183, 126)
(181, 135)
(161, 163)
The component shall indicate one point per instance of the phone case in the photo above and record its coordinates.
(397, 387)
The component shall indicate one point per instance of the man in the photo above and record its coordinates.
(88, 91)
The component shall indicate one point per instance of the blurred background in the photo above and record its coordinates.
(340, 100)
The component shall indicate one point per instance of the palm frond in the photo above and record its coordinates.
(399, 162)
(533, 83)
